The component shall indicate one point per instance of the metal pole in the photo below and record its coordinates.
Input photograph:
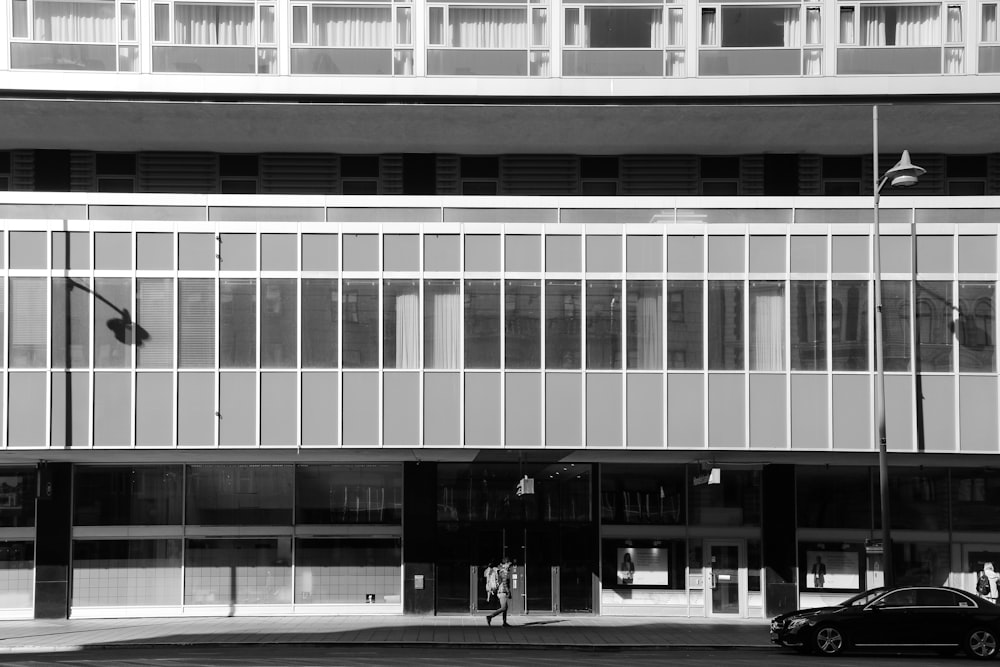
(883, 463)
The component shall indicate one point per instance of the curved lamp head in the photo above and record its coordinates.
(904, 173)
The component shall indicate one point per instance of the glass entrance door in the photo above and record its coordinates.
(533, 553)
(725, 574)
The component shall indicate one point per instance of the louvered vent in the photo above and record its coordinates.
(659, 175)
(298, 173)
(810, 175)
(447, 175)
(22, 170)
(83, 171)
(539, 174)
(178, 172)
(752, 175)
(390, 169)
(993, 174)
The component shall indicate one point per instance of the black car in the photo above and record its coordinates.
(920, 617)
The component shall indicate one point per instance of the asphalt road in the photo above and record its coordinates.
(309, 656)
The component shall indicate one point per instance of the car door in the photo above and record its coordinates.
(886, 620)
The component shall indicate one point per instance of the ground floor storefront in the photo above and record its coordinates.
(719, 540)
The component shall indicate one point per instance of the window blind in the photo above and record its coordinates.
(155, 317)
(196, 327)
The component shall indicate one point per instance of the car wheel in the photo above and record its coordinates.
(982, 644)
(829, 640)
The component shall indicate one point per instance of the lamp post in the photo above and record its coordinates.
(903, 174)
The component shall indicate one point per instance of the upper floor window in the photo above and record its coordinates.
(205, 24)
(342, 25)
(751, 26)
(67, 21)
(899, 25)
(615, 27)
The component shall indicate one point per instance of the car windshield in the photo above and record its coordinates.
(863, 598)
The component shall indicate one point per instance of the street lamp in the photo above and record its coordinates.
(903, 174)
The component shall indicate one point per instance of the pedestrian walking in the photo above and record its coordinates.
(502, 591)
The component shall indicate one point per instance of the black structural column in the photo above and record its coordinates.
(53, 523)
(778, 548)
(419, 535)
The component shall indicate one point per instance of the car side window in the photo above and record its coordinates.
(903, 598)
(935, 597)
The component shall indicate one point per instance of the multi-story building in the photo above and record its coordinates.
(319, 306)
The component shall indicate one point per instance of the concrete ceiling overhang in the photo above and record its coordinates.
(478, 127)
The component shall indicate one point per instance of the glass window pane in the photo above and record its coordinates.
(760, 26)
(239, 495)
(278, 312)
(685, 325)
(253, 569)
(896, 325)
(935, 321)
(127, 495)
(975, 498)
(522, 323)
(808, 326)
(345, 570)
(401, 322)
(319, 323)
(20, 489)
(562, 324)
(155, 323)
(196, 323)
(604, 324)
(482, 324)
(767, 326)
(733, 502)
(28, 322)
(360, 324)
(644, 324)
(622, 27)
(237, 323)
(642, 494)
(976, 335)
(335, 494)
(725, 325)
(110, 573)
(114, 330)
(849, 325)
(918, 498)
(442, 324)
(71, 323)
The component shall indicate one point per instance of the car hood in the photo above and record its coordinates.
(804, 613)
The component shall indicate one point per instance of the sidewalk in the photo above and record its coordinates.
(465, 631)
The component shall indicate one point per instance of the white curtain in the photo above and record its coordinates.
(814, 26)
(213, 24)
(444, 337)
(708, 30)
(75, 21)
(917, 26)
(989, 32)
(408, 330)
(488, 28)
(793, 36)
(956, 31)
(352, 26)
(913, 26)
(767, 327)
(539, 26)
(847, 35)
(675, 27)
(812, 62)
(649, 329)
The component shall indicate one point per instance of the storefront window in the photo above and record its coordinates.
(642, 494)
(17, 574)
(239, 495)
(834, 566)
(975, 499)
(488, 492)
(17, 497)
(238, 571)
(734, 501)
(833, 497)
(921, 564)
(127, 495)
(919, 498)
(635, 565)
(346, 570)
(117, 573)
(335, 494)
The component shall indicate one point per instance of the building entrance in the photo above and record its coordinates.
(726, 578)
(553, 571)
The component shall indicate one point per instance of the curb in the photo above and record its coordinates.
(149, 645)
